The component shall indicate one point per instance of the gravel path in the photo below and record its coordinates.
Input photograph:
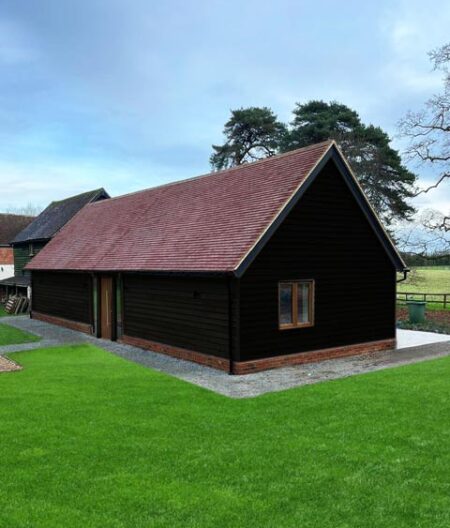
(246, 386)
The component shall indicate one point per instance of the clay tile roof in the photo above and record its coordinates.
(10, 225)
(208, 223)
(56, 215)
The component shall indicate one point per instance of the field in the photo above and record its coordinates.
(91, 440)
(428, 280)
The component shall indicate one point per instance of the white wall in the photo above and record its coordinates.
(6, 271)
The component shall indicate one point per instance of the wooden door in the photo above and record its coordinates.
(106, 308)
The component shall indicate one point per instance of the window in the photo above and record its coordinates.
(296, 304)
(30, 249)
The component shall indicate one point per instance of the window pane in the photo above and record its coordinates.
(304, 289)
(285, 304)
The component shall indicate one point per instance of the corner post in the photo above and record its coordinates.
(233, 321)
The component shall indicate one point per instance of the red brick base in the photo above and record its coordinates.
(257, 365)
(180, 353)
(247, 367)
(73, 325)
(239, 367)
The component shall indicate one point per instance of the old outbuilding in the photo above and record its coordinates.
(37, 233)
(10, 226)
(271, 263)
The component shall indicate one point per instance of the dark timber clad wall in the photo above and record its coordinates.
(327, 238)
(66, 295)
(184, 312)
(22, 255)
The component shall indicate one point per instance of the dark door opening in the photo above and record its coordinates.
(106, 308)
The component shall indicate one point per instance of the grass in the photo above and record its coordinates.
(428, 280)
(91, 440)
(3, 311)
(433, 267)
(13, 336)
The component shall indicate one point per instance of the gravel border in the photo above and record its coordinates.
(246, 386)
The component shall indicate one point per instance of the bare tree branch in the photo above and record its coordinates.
(428, 189)
(427, 237)
(428, 130)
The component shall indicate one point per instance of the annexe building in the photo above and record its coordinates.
(245, 269)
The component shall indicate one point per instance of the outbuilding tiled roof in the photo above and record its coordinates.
(56, 215)
(11, 225)
(205, 224)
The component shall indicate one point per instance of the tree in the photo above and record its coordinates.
(29, 209)
(251, 134)
(378, 167)
(318, 121)
(428, 130)
(428, 133)
(426, 237)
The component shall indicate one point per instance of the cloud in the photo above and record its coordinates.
(15, 45)
(438, 198)
(412, 29)
(41, 184)
(98, 93)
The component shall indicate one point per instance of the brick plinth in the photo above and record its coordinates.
(239, 367)
(180, 353)
(257, 365)
(73, 325)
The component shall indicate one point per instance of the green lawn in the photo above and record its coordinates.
(428, 280)
(2, 311)
(13, 336)
(88, 439)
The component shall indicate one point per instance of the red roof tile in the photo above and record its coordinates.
(208, 223)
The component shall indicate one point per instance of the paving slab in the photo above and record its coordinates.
(411, 338)
(415, 348)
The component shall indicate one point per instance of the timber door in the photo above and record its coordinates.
(106, 308)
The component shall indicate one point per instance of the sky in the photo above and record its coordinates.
(131, 94)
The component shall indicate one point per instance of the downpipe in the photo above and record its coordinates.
(405, 275)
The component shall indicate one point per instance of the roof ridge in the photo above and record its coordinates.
(230, 169)
(93, 192)
(54, 216)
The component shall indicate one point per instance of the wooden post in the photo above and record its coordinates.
(95, 305)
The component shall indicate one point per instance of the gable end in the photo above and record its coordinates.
(334, 154)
